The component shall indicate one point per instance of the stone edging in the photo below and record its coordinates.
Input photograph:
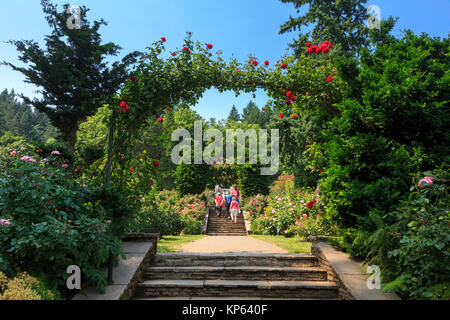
(348, 273)
(247, 222)
(205, 221)
(129, 272)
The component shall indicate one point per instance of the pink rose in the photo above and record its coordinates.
(5, 222)
(428, 180)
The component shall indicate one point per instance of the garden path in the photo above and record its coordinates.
(213, 244)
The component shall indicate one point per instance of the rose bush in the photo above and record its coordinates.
(291, 212)
(50, 221)
(167, 213)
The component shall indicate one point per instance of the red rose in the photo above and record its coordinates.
(313, 48)
(329, 78)
(121, 111)
(185, 48)
(284, 65)
(308, 44)
(288, 101)
(319, 50)
(132, 170)
(288, 93)
(168, 108)
(173, 54)
(266, 62)
(123, 104)
(293, 98)
(326, 50)
(255, 63)
(263, 109)
(309, 205)
(308, 50)
(156, 164)
(281, 116)
(209, 46)
(160, 120)
(163, 39)
(335, 73)
(127, 108)
(294, 116)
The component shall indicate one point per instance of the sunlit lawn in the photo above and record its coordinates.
(172, 243)
(292, 245)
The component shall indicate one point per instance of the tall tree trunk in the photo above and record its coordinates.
(70, 136)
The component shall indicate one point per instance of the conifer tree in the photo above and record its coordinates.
(71, 72)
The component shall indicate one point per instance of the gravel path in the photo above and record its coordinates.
(230, 244)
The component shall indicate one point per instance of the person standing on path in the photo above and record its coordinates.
(219, 203)
(227, 204)
(234, 209)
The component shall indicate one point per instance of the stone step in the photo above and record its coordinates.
(236, 273)
(218, 288)
(235, 226)
(173, 259)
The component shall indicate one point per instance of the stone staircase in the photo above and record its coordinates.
(222, 226)
(229, 275)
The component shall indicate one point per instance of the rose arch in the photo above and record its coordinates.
(295, 85)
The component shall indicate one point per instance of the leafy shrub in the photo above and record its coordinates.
(292, 212)
(53, 222)
(255, 205)
(411, 243)
(167, 213)
(25, 287)
(191, 178)
(250, 180)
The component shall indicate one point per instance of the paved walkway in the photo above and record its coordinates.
(230, 244)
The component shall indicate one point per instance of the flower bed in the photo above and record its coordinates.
(289, 213)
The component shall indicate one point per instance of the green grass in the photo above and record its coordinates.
(172, 243)
(292, 245)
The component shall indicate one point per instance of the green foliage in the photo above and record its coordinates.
(9, 143)
(167, 213)
(250, 181)
(411, 242)
(90, 149)
(71, 70)
(234, 115)
(253, 114)
(290, 213)
(54, 221)
(341, 22)
(18, 119)
(191, 178)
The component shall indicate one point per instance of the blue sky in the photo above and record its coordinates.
(238, 27)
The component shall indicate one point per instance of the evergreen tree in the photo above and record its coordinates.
(234, 115)
(72, 71)
(19, 119)
(251, 113)
(340, 22)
